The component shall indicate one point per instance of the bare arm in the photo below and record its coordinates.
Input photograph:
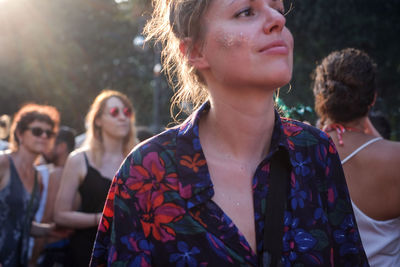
(41, 229)
(53, 187)
(64, 214)
(48, 216)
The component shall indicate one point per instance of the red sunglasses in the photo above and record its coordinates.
(114, 112)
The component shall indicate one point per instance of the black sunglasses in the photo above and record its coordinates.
(37, 131)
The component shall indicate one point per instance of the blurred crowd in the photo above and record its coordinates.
(54, 182)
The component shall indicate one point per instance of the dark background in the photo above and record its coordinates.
(64, 52)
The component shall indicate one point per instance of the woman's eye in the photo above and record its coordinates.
(245, 13)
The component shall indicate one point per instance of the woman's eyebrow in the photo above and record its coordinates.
(233, 1)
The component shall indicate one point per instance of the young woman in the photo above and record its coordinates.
(88, 171)
(197, 194)
(345, 91)
(31, 134)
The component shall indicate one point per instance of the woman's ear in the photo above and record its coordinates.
(193, 53)
(97, 122)
(18, 134)
(373, 102)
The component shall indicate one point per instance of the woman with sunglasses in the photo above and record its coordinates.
(31, 134)
(88, 171)
(233, 185)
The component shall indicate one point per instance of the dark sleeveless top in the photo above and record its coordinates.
(17, 210)
(93, 191)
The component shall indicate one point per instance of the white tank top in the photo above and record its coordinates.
(381, 239)
(352, 154)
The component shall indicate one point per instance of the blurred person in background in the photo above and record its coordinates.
(55, 244)
(345, 91)
(4, 131)
(79, 139)
(89, 170)
(32, 132)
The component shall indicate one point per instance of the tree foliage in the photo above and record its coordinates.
(64, 52)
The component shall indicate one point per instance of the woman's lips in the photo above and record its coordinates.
(275, 48)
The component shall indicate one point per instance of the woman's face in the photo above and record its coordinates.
(246, 43)
(115, 120)
(37, 138)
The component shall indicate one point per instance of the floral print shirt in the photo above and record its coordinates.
(159, 210)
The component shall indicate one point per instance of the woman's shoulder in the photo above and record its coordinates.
(77, 157)
(79, 152)
(394, 146)
(380, 168)
(387, 152)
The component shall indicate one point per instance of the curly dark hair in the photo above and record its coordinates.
(344, 86)
(28, 114)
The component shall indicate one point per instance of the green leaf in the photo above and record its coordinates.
(336, 217)
(120, 203)
(322, 239)
(118, 264)
(188, 226)
(170, 196)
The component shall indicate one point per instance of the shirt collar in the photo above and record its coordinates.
(194, 178)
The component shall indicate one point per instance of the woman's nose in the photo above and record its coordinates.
(275, 21)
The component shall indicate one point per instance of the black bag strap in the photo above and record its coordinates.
(280, 169)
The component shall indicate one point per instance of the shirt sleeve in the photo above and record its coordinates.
(120, 239)
(347, 247)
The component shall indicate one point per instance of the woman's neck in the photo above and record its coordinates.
(239, 128)
(112, 145)
(24, 159)
(357, 128)
(357, 125)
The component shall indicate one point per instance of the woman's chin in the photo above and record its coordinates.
(280, 80)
